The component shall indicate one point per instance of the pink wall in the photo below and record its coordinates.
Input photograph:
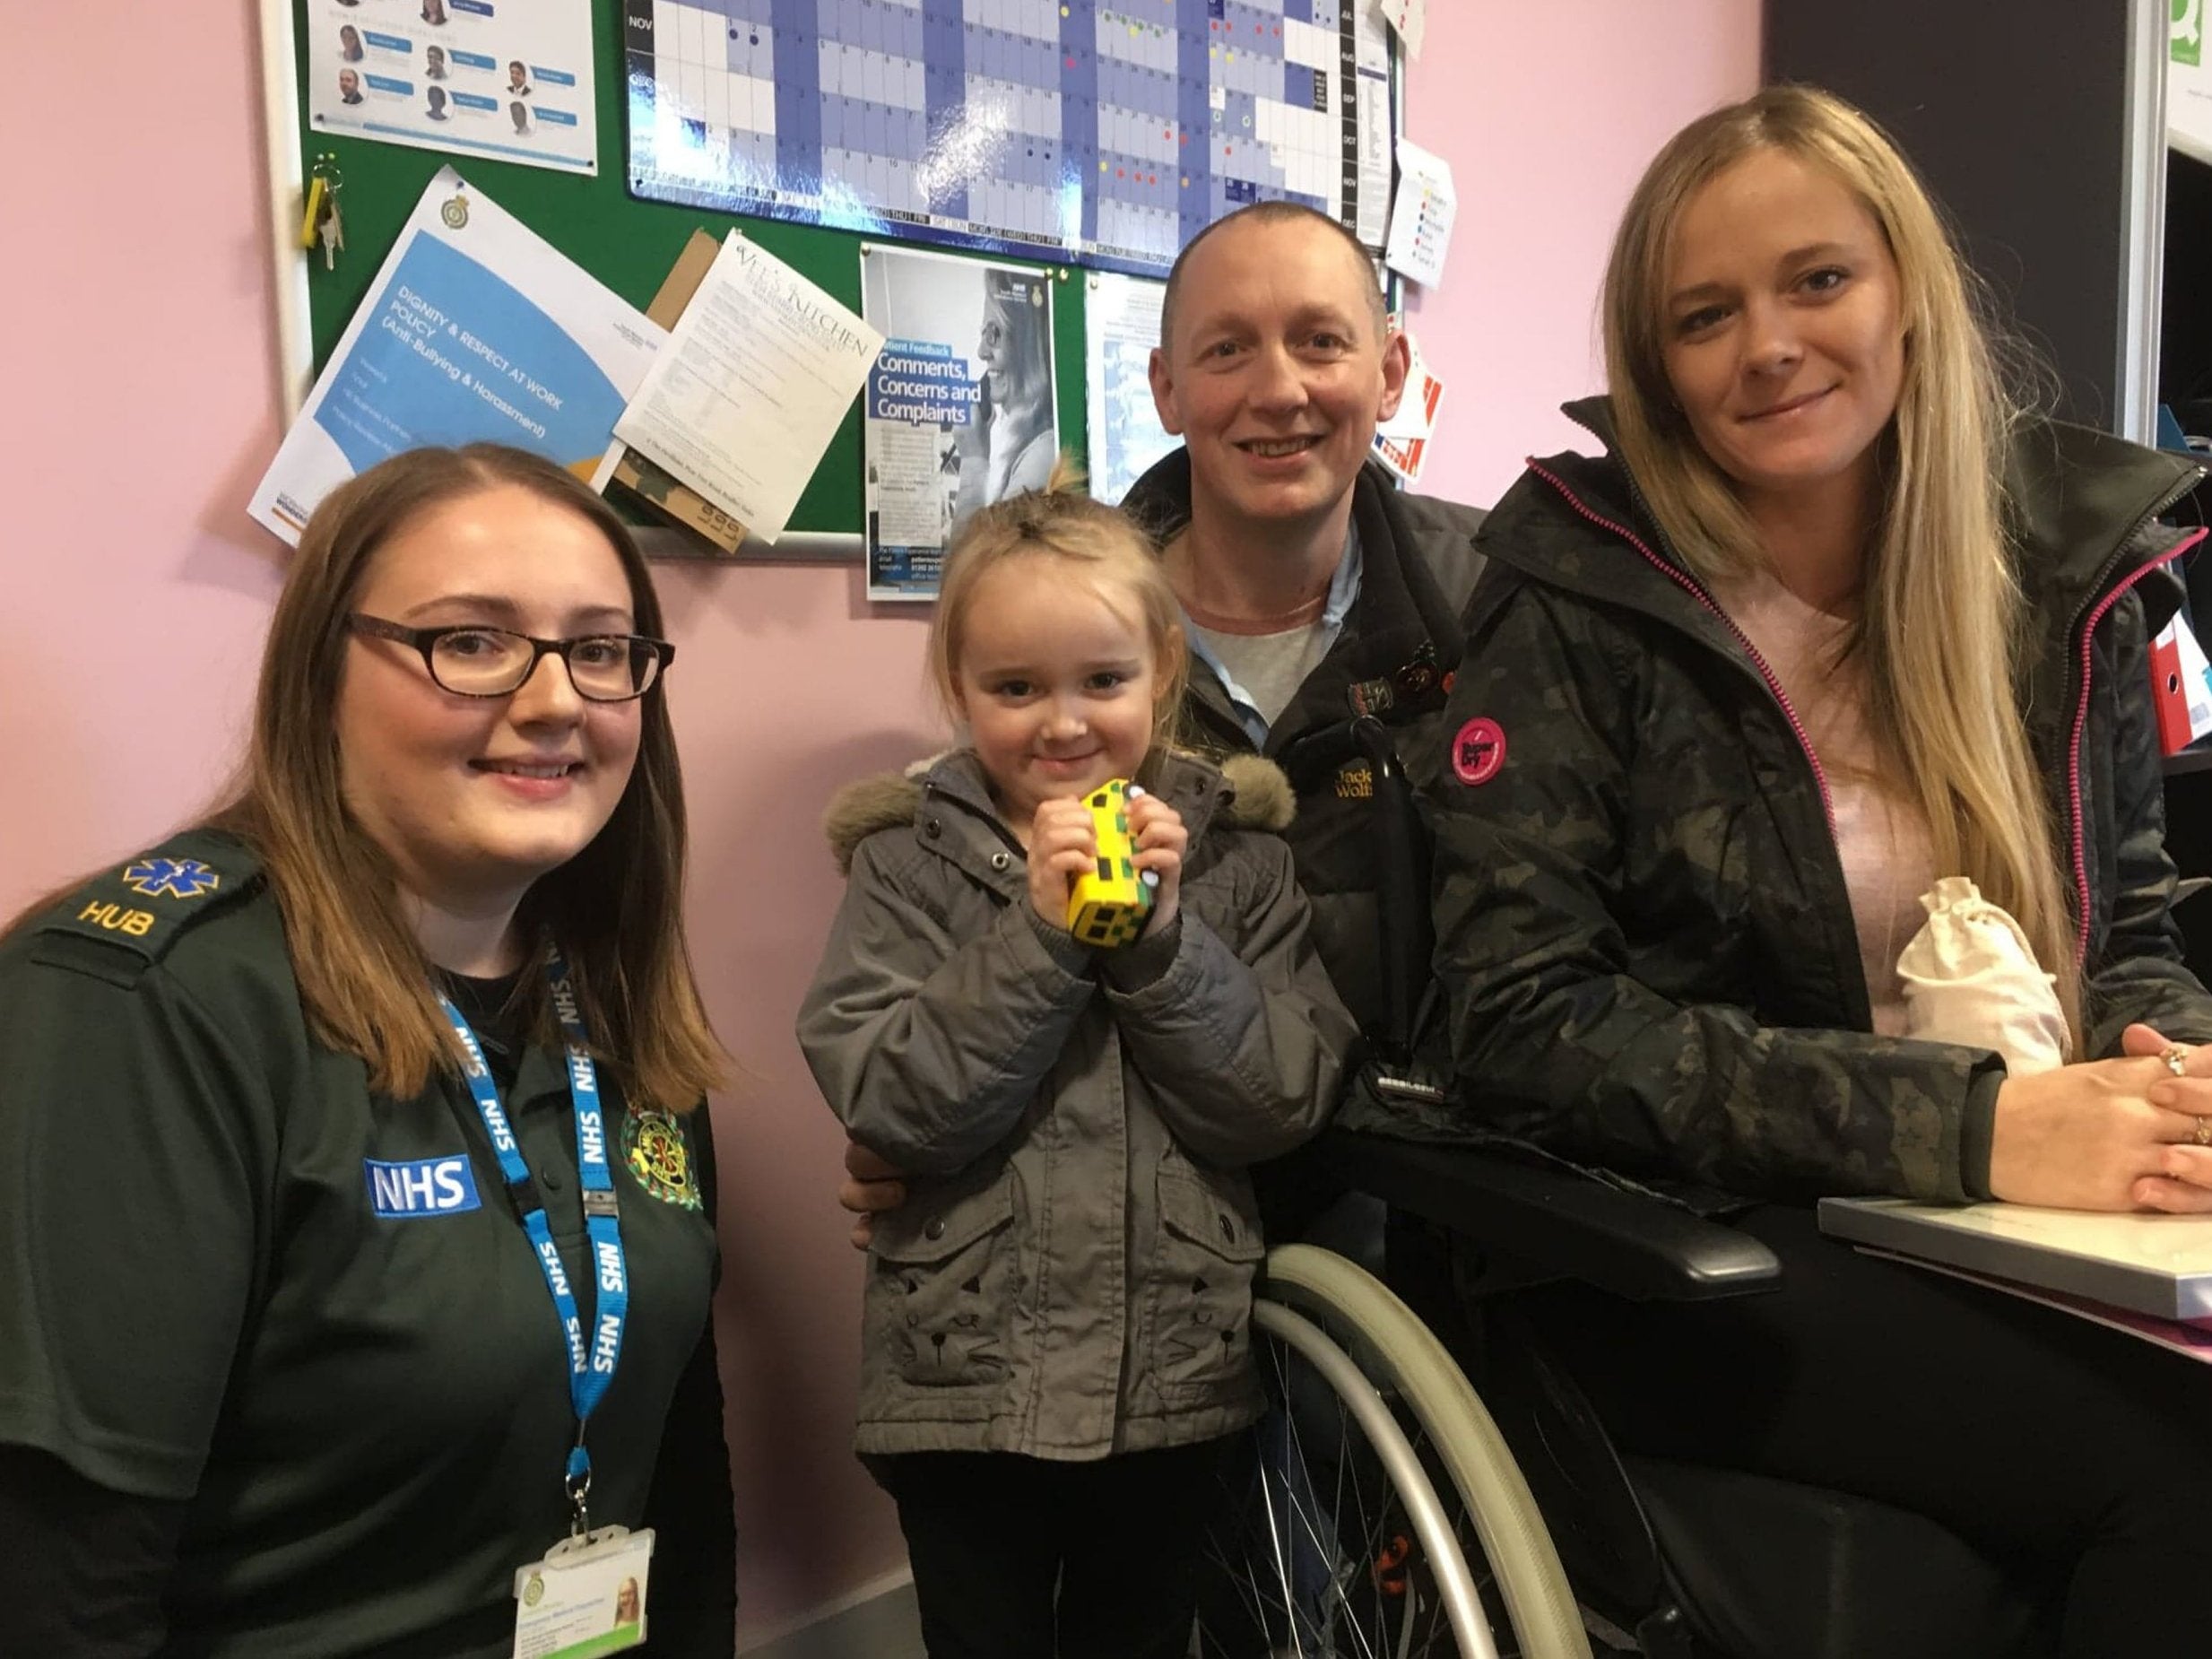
(1548, 113)
(144, 410)
(139, 411)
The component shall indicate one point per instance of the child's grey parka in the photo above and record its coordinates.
(1070, 1275)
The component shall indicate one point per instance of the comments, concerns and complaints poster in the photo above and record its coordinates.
(959, 409)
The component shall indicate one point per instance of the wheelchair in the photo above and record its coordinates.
(1406, 1515)
(1671, 1560)
(1383, 1511)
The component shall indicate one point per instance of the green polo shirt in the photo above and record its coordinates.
(208, 1293)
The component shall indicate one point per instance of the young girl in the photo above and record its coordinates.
(1055, 1340)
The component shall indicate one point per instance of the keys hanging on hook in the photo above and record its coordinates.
(332, 231)
(322, 221)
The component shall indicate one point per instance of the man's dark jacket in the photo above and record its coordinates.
(1399, 640)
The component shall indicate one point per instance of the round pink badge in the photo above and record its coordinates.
(1478, 751)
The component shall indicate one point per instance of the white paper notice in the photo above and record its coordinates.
(1420, 219)
(1410, 18)
(1371, 94)
(751, 388)
(1121, 321)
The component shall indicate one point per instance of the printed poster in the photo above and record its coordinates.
(475, 329)
(475, 77)
(1402, 443)
(1121, 326)
(961, 408)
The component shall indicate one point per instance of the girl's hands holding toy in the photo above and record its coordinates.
(1156, 829)
(1063, 845)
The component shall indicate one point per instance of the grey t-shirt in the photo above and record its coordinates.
(1262, 673)
(1267, 668)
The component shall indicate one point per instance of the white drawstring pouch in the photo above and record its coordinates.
(1970, 978)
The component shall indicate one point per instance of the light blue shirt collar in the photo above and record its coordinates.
(1343, 591)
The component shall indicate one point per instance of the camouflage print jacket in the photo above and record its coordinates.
(1641, 914)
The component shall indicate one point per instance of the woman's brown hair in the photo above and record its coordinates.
(615, 909)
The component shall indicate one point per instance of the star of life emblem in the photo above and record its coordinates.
(171, 878)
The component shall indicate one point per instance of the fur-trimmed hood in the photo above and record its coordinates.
(1250, 793)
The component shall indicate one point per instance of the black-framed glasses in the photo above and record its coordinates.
(475, 661)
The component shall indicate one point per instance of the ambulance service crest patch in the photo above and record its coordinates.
(659, 1156)
(171, 878)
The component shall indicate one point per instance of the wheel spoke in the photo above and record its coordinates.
(1360, 1480)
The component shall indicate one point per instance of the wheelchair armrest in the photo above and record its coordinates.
(1634, 1247)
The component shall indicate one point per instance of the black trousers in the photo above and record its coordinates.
(2051, 1443)
(1023, 1558)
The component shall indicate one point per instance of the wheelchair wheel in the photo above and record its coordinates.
(1381, 1512)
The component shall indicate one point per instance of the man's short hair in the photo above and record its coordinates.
(1275, 212)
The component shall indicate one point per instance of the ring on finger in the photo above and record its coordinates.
(2176, 1058)
(2203, 1132)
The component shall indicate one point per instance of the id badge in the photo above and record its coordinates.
(586, 1597)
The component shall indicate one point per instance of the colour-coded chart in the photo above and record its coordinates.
(1072, 130)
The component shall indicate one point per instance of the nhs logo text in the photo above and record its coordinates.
(426, 1187)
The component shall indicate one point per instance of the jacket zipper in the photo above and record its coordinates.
(2076, 835)
(1774, 684)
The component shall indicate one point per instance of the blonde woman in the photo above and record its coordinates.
(329, 1126)
(1827, 622)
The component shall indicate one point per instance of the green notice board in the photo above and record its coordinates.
(626, 243)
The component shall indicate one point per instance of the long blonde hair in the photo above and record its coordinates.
(1943, 613)
(615, 909)
(1106, 552)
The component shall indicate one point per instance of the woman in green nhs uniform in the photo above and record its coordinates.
(315, 1335)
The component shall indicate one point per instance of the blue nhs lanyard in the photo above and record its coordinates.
(591, 1367)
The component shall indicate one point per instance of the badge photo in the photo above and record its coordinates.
(586, 1598)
